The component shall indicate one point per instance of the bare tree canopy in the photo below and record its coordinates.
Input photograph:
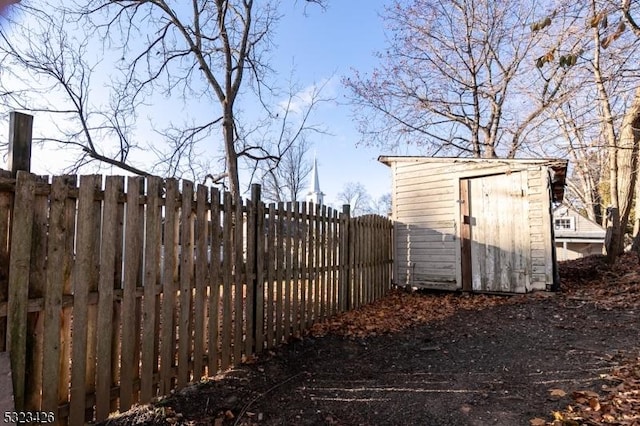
(355, 194)
(456, 79)
(211, 56)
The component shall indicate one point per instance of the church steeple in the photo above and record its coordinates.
(315, 195)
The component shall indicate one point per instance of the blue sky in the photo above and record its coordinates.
(322, 46)
(329, 44)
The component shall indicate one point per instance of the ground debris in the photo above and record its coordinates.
(402, 309)
(607, 286)
(617, 404)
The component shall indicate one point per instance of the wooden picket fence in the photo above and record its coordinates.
(115, 291)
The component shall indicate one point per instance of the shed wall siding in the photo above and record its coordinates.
(426, 211)
(539, 229)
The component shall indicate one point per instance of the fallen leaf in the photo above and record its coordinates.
(559, 393)
(537, 422)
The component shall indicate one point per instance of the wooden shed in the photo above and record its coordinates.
(475, 224)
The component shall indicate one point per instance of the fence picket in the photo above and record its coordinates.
(289, 283)
(295, 303)
(84, 272)
(214, 289)
(149, 342)
(227, 266)
(317, 275)
(199, 300)
(106, 291)
(238, 283)
(169, 286)
(185, 326)
(271, 274)
(303, 266)
(280, 276)
(260, 277)
(53, 296)
(130, 332)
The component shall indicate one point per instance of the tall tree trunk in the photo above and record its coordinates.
(627, 162)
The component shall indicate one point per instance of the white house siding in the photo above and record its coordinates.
(426, 212)
(586, 237)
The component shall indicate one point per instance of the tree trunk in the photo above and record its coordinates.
(627, 161)
(231, 155)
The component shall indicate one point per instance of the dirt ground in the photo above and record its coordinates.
(462, 360)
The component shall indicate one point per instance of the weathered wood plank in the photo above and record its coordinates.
(169, 287)
(201, 270)
(251, 269)
(288, 273)
(92, 280)
(333, 262)
(53, 296)
(118, 277)
(227, 266)
(105, 328)
(260, 277)
(325, 253)
(20, 259)
(215, 283)
(129, 369)
(82, 285)
(239, 279)
(152, 241)
(295, 303)
(6, 205)
(280, 276)
(317, 278)
(303, 266)
(185, 326)
(200, 298)
(37, 284)
(68, 266)
(271, 275)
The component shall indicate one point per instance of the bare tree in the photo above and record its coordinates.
(213, 50)
(382, 205)
(607, 85)
(356, 195)
(287, 133)
(45, 59)
(206, 53)
(456, 78)
(287, 180)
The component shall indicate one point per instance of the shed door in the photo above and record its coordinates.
(498, 230)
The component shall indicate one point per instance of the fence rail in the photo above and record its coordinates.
(115, 291)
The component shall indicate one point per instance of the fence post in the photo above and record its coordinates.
(256, 281)
(20, 131)
(345, 258)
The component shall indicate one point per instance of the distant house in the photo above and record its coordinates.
(575, 235)
(475, 224)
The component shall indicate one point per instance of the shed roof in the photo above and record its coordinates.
(557, 166)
